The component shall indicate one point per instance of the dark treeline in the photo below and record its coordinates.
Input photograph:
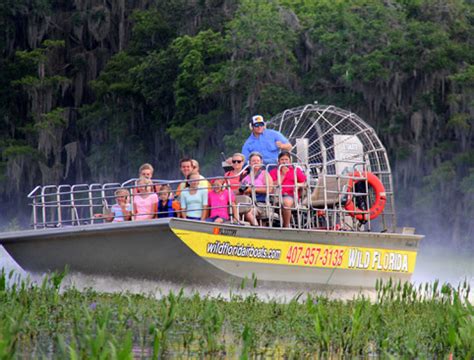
(90, 89)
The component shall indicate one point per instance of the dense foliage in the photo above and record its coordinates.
(89, 91)
(43, 322)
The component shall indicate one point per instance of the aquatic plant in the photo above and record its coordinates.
(49, 320)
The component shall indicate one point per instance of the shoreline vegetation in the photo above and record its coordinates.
(89, 90)
(50, 320)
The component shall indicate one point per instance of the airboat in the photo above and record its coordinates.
(344, 231)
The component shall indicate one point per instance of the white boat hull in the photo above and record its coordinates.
(192, 252)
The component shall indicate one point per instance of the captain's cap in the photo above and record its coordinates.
(257, 120)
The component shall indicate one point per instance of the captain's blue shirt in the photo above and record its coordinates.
(265, 145)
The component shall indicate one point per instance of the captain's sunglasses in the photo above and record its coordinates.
(258, 124)
(236, 161)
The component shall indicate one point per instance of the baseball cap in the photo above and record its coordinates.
(257, 119)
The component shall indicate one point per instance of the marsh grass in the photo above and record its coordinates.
(45, 321)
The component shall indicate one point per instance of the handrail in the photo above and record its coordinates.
(34, 190)
(79, 204)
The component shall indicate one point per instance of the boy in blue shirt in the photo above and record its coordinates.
(165, 207)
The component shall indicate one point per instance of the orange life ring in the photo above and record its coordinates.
(380, 196)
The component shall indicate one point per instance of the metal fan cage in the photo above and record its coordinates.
(319, 124)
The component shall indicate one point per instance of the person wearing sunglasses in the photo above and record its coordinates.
(267, 142)
(235, 176)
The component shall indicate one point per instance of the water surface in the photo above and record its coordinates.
(433, 263)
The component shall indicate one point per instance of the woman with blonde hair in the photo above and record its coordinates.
(194, 199)
(146, 170)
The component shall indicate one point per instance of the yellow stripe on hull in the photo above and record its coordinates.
(280, 252)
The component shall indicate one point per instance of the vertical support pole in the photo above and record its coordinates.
(35, 216)
(58, 204)
(43, 207)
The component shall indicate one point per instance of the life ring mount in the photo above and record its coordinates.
(380, 196)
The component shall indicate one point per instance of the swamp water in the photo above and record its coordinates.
(433, 263)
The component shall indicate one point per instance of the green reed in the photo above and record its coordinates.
(46, 320)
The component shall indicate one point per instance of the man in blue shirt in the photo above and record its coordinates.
(265, 141)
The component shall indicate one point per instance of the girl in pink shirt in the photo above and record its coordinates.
(145, 201)
(219, 200)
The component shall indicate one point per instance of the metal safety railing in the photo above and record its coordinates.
(305, 196)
